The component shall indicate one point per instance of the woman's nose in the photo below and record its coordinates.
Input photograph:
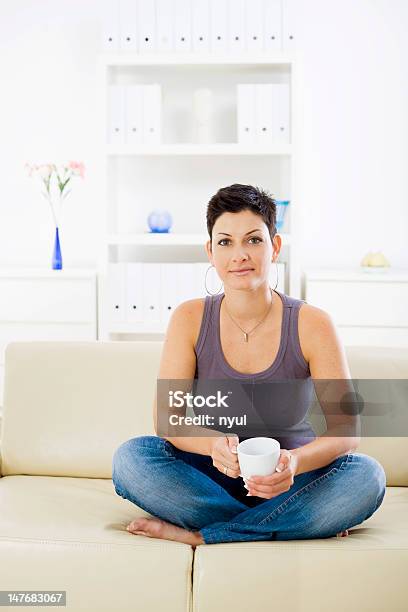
(240, 254)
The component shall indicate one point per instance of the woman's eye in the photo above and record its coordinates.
(228, 240)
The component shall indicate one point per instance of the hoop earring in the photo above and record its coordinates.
(205, 282)
(277, 275)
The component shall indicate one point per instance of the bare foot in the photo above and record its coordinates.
(342, 534)
(157, 528)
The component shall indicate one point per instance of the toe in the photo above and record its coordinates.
(135, 530)
(136, 524)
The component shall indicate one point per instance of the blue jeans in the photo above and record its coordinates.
(187, 490)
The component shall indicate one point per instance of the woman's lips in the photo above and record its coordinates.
(242, 272)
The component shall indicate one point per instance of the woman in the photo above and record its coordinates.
(191, 485)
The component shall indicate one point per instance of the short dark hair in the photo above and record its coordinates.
(242, 197)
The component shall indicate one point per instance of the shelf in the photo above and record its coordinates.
(166, 239)
(187, 59)
(66, 273)
(199, 149)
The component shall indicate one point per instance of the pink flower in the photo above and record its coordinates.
(45, 170)
(31, 169)
(78, 168)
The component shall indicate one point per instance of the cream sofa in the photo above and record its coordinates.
(68, 406)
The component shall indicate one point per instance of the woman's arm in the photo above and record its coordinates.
(178, 362)
(323, 350)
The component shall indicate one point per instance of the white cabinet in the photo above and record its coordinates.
(41, 304)
(369, 308)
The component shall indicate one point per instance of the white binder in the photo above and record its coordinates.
(265, 113)
(281, 118)
(134, 114)
(134, 284)
(110, 25)
(219, 25)
(164, 25)
(147, 25)
(152, 114)
(291, 20)
(116, 114)
(272, 25)
(199, 279)
(116, 283)
(246, 113)
(254, 21)
(200, 20)
(187, 282)
(182, 25)
(151, 292)
(236, 20)
(169, 290)
(128, 24)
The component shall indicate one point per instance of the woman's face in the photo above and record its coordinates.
(242, 241)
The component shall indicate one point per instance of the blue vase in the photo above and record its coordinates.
(56, 255)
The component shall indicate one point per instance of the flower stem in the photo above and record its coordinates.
(53, 212)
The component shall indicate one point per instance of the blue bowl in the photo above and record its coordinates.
(159, 221)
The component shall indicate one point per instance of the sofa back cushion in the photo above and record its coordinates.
(69, 405)
(384, 363)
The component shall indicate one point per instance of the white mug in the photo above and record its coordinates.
(258, 456)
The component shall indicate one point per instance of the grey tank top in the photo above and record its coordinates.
(287, 411)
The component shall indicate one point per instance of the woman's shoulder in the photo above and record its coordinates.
(312, 315)
(192, 312)
(315, 325)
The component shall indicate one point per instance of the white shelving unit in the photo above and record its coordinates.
(180, 175)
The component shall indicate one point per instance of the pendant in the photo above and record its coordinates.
(245, 337)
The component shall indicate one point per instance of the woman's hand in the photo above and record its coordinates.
(225, 457)
(277, 483)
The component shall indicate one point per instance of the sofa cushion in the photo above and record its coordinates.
(69, 405)
(364, 572)
(70, 534)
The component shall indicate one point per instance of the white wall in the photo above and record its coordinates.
(48, 53)
(354, 149)
(353, 143)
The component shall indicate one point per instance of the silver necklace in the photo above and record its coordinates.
(246, 334)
